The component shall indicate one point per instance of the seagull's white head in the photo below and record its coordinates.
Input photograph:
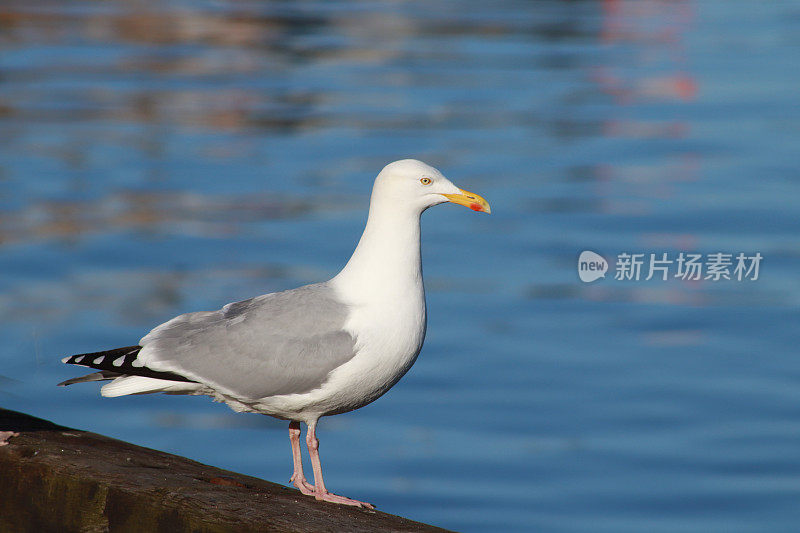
(414, 184)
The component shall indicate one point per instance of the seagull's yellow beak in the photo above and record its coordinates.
(469, 199)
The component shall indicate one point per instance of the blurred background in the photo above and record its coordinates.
(160, 157)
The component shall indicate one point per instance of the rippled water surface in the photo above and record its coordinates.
(164, 157)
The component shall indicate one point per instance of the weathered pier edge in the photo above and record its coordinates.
(54, 478)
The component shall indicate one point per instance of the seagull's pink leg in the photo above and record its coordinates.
(321, 492)
(298, 477)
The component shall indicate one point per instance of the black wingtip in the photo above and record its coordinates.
(87, 359)
(115, 363)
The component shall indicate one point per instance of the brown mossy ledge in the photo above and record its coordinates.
(54, 478)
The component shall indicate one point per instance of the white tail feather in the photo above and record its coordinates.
(125, 385)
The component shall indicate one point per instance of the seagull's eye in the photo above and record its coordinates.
(426, 181)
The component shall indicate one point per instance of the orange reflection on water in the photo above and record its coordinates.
(653, 31)
(647, 65)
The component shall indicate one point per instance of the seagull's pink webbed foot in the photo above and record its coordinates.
(335, 498)
(298, 478)
(321, 493)
(303, 485)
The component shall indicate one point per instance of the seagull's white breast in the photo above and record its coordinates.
(389, 337)
(389, 333)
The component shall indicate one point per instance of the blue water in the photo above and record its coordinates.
(164, 157)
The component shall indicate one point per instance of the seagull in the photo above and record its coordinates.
(314, 351)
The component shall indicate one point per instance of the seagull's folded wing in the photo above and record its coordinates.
(280, 343)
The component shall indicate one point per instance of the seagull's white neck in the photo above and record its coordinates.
(386, 264)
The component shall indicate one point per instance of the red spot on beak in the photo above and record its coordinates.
(476, 207)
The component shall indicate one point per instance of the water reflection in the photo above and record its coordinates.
(165, 212)
(251, 65)
(651, 65)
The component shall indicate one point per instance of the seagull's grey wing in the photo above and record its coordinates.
(280, 343)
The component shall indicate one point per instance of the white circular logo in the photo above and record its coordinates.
(591, 266)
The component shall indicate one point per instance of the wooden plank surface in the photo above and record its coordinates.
(54, 478)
